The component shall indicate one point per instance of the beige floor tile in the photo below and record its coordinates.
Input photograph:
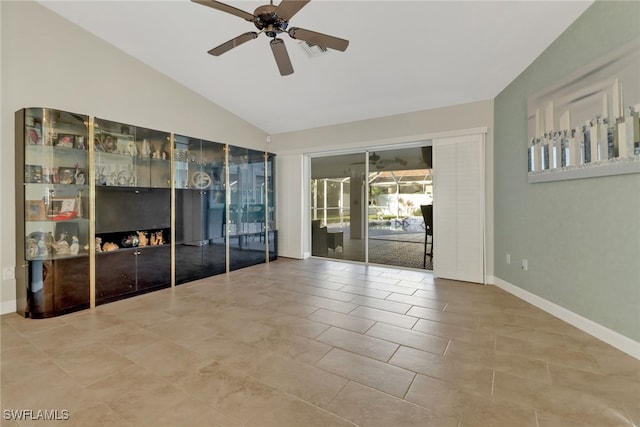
(128, 338)
(552, 354)
(381, 376)
(146, 407)
(91, 363)
(326, 303)
(133, 377)
(458, 319)
(458, 333)
(288, 411)
(50, 341)
(168, 360)
(95, 415)
(257, 347)
(357, 343)
(296, 347)
(304, 381)
(409, 338)
(380, 284)
(558, 400)
(473, 409)
(366, 292)
(417, 301)
(287, 324)
(391, 306)
(385, 317)
(318, 291)
(472, 376)
(192, 412)
(365, 406)
(610, 387)
(344, 321)
(514, 364)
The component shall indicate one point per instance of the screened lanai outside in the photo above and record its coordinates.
(366, 207)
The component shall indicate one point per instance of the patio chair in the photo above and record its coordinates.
(427, 215)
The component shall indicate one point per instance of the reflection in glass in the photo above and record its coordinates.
(246, 222)
(199, 172)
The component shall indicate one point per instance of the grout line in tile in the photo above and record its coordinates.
(404, 396)
(444, 353)
(493, 381)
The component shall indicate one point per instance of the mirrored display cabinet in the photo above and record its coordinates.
(107, 210)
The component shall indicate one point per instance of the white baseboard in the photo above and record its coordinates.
(8, 306)
(605, 334)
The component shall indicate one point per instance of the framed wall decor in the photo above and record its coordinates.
(60, 205)
(587, 124)
(34, 210)
(32, 174)
(65, 140)
(66, 175)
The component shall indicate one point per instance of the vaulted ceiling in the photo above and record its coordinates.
(403, 56)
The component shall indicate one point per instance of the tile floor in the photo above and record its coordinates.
(316, 343)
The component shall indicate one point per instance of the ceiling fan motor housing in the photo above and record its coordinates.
(267, 20)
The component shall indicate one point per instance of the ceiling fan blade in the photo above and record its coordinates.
(226, 8)
(282, 57)
(287, 8)
(319, 39)
(227, 46)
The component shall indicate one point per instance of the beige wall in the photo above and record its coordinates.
(384, 131)
(50, 62)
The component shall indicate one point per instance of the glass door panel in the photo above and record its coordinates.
(200, 245)
(399, 184)
(271, 206)
(337, 206)
(246, 222)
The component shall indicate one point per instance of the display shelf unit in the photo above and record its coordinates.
(52, 230)
(107, 210)
(200, 204)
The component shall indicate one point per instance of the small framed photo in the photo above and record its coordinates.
(34, 210)
(33, 135)
(80, 142)
(32, 174)
(60, 205)
(66, 140)
(50, 175)
(66, 175)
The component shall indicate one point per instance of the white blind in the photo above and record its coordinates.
(458, 208)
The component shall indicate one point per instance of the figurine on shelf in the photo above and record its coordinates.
(157, 238)
(79, 175)
(146, 150)
(143, 240)
(98, 244)
(62, 246)
(110, 246)
(42, 247)
(32, 247)
(75, 245)
(132, 148)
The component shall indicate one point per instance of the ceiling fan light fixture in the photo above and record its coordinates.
(312, 50)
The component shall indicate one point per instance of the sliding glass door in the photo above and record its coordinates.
(368, 207)
(400, 189)
(338, 198)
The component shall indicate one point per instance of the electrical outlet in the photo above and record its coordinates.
(8, 273)
(508, 259)
(525, 265)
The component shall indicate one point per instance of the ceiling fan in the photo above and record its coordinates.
(274, 20)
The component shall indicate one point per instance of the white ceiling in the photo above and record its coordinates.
(403, 56)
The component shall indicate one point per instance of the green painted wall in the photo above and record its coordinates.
(581, 237)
